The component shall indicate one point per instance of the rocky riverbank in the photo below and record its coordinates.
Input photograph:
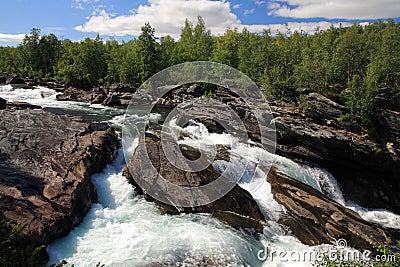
(366, 168)
(45, 168)
(114, 95)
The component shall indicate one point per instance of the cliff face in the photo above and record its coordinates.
(45, 166)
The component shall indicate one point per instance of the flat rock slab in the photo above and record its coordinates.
(316, 219)
(45, 166)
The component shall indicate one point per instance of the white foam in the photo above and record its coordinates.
(5, 88)
(381, 217)
(125, 230)
(34, 96)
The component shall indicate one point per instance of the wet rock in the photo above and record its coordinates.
(3, 77)
(14, 79)
(113, 96)
(75, 94)
(45, 167)
(3, 103)
(236, 208)
(315, 219)
(366, 170)
(22, 105)
(389, 120)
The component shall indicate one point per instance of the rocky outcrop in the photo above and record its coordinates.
(45, 166)
(367, 170)
(14, 79)
(116, 95)
(319, 107)
(237, 208)
(30, 82)
(315, 219)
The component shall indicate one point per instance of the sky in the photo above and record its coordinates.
(123, 19)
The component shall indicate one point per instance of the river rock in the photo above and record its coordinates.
(315, 219)
(366, 169)
(75, 94)
(3, 103)
(114, 96)
(22, 105)
(14, 79)
(45, 166)
(390, 121)
(3, 77)
(237, 208)
(320, 107)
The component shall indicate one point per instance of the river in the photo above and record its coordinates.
(123, 229)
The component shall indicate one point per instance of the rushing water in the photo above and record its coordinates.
(123, 229)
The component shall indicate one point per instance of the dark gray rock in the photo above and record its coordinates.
(315, 219)
(367, 170)
(236, 208)
(320, 107)
(3, 77)
(22, 105)
(14, 79)
(3, 103)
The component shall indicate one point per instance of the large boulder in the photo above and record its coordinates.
(320, 107)
(237, 208)
(75, 94)
(315, 219)
(113, 96)
(390, 121)
(45, 166)
(366, 170)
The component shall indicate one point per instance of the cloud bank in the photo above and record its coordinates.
(11, 38)
(335, 9)
(168, 16)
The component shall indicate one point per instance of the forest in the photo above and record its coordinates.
(350, 64)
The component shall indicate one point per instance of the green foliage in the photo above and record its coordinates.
(359, 58)
(360, 102)
(148, 56)
(12, 253)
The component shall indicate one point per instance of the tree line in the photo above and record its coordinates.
(352, 61)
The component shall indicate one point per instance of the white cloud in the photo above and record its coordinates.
(248, 12)
(80, 4)
(259, 3)
(308, 27)
(11, 38)
(335, 9)
(236, 6)
(168, 16)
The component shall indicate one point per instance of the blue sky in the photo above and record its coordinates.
(122, 19)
